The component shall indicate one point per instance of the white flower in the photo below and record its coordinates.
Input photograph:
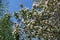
(37, 5)
(46, 2)
(58, 3)
(31, 27)
(26, 9)
(28, 24)
(39, 30)
(33, 33)
(48, 29)
(40, 27)
(34, 4)
(22, 20)
(34, 13)
(36, 26)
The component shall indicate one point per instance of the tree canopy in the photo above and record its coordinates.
(42, 21)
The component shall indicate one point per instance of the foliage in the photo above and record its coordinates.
(16, 31)
(3, 7)
(6, 28)
(42, 23)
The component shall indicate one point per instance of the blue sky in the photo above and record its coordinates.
(14, 6)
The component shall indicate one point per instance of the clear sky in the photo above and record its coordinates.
(14, 6)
